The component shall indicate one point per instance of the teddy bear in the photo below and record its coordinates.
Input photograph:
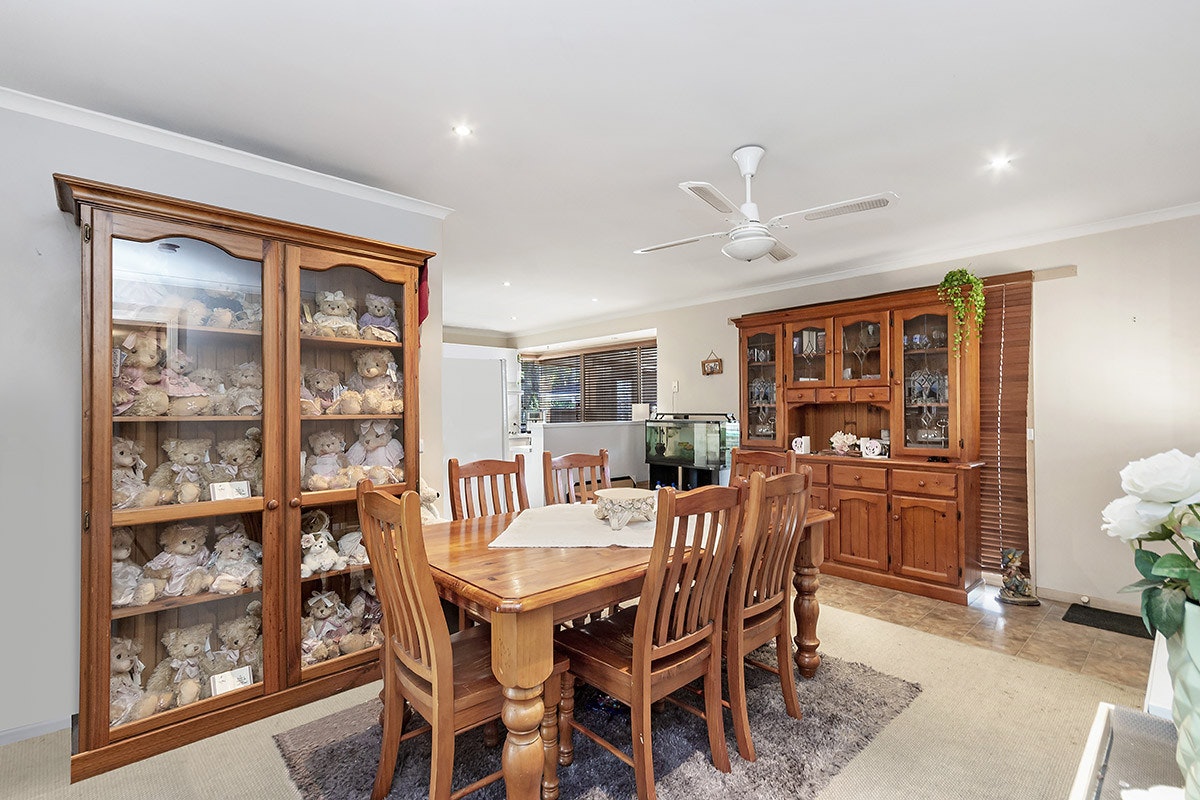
(366, 616)
(334, 317)
(241, 644)
(429, 496)
(219, 317)
(350, 546)
(213, 384)
(240, 461)
(331, 397)
(187, 398)
(327, 467)
(327, 622)
(378, 380)
(182, 567)
(318, 556)
(180, 672)
(129, 584)
(232, 565)
(193, 313)
(378, 322)
(250, 317)
(183, 471)
(243, 391)
(129, 487)
(135, 390)
(378, 452)
(127, 701)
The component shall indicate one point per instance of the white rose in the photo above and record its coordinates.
(1168, 477)
(1127, 518)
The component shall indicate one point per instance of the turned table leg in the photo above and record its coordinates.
(807, 609)
(522, 658)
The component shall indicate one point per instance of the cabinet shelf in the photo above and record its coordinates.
(316, 417)
(329, 496)
(333, 573)
(342, 342)
(181, 511)
(923, 404)
(122, 612)
(926, 351)
(234, 333)
(165, 418)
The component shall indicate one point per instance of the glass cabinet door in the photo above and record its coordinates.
(189, 418)
(861, 350)
(923, 423)
(350, 338)
(763, 373)
(811, 359)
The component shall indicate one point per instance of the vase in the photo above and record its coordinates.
(1183, 664)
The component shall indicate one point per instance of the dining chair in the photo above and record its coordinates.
(446, 678)
(673, 636)
(575, 477)
(768, 462)
(758, 607)
(486, 487)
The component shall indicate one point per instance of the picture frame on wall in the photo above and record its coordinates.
(712, 366)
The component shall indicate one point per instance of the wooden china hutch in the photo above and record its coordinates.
(228, 304)
(881, 368)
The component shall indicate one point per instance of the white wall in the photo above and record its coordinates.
(625, 442)
(1116, 376)
(39, 251)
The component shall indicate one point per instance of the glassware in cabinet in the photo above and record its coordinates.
(811, 353)
(925, 384)
(762, 378)
(861, 349)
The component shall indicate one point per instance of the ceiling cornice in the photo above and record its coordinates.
(210, 151)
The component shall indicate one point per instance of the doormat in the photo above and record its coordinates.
(1106, 620)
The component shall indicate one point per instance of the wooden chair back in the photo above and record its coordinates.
(743, 462)
(772, 531)
(683, 595)
(575, 477)
(486, 487)
(415, 632)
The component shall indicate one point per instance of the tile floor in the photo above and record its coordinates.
(1037, 633)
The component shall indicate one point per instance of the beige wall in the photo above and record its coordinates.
(1116, 374)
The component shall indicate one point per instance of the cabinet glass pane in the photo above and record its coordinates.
(861, 353)
(808, 354)
(351, 427)
(760, 386)
(926, 382)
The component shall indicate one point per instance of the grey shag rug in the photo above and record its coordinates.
(844, 707)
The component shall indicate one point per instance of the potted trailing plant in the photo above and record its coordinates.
(962, 290)
(1162, 504)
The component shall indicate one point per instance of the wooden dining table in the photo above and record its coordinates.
(525, 592)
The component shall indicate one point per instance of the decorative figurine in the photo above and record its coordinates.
(1017, 590)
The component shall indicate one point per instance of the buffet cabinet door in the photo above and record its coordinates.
(761, 389)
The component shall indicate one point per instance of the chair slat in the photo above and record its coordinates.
(562, 474)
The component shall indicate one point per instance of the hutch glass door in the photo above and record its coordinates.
(927, 427)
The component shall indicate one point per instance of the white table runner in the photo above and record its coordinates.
(571, 525)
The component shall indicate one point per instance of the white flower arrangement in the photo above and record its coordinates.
(1161, 504)
(842, 442)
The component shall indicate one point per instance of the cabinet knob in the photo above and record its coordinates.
(920, 483)
(294, 502)
(834, 509)
(896, 517)
(272, 505)
(858, 477)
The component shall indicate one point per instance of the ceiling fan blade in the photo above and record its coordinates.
(780, 251)
(664, 246)
(871, 201)
(710, 195)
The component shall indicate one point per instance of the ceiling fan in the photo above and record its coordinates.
(749, 238)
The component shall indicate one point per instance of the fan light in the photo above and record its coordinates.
(748, 248)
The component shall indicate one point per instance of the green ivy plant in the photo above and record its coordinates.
(971, 301)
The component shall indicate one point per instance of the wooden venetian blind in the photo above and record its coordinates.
(592, 386)
(1003, 418)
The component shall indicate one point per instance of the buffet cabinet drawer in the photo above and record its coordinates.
(818, 497)
(833, 395)
(800, 395)
(820, 472)
(859, 477)
(872, 394)
(940, 484)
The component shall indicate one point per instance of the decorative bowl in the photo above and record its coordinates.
(618, 506)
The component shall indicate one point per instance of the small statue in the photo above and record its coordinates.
(1017, 590)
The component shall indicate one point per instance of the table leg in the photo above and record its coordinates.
(807, 609)
(522, 659)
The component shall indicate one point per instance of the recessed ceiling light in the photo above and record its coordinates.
(507, 283)
(1000, 163)
(512, 318)
(462, 130)
(595, 299)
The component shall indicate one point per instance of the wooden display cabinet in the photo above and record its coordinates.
(199, 325)
(761, 385)
(869, 366)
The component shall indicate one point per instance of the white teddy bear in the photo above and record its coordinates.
(318, 557)
(429, 497)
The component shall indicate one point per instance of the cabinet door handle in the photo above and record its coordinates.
(834, 509)
(896, 517)
(272, 505)
(294, 502)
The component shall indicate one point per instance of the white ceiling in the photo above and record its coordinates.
(587, 115)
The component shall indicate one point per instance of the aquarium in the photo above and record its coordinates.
(691, 440)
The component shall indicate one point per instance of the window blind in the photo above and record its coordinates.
(593, 386)
(1003, 418)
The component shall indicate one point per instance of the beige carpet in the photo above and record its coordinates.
(986, 725)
